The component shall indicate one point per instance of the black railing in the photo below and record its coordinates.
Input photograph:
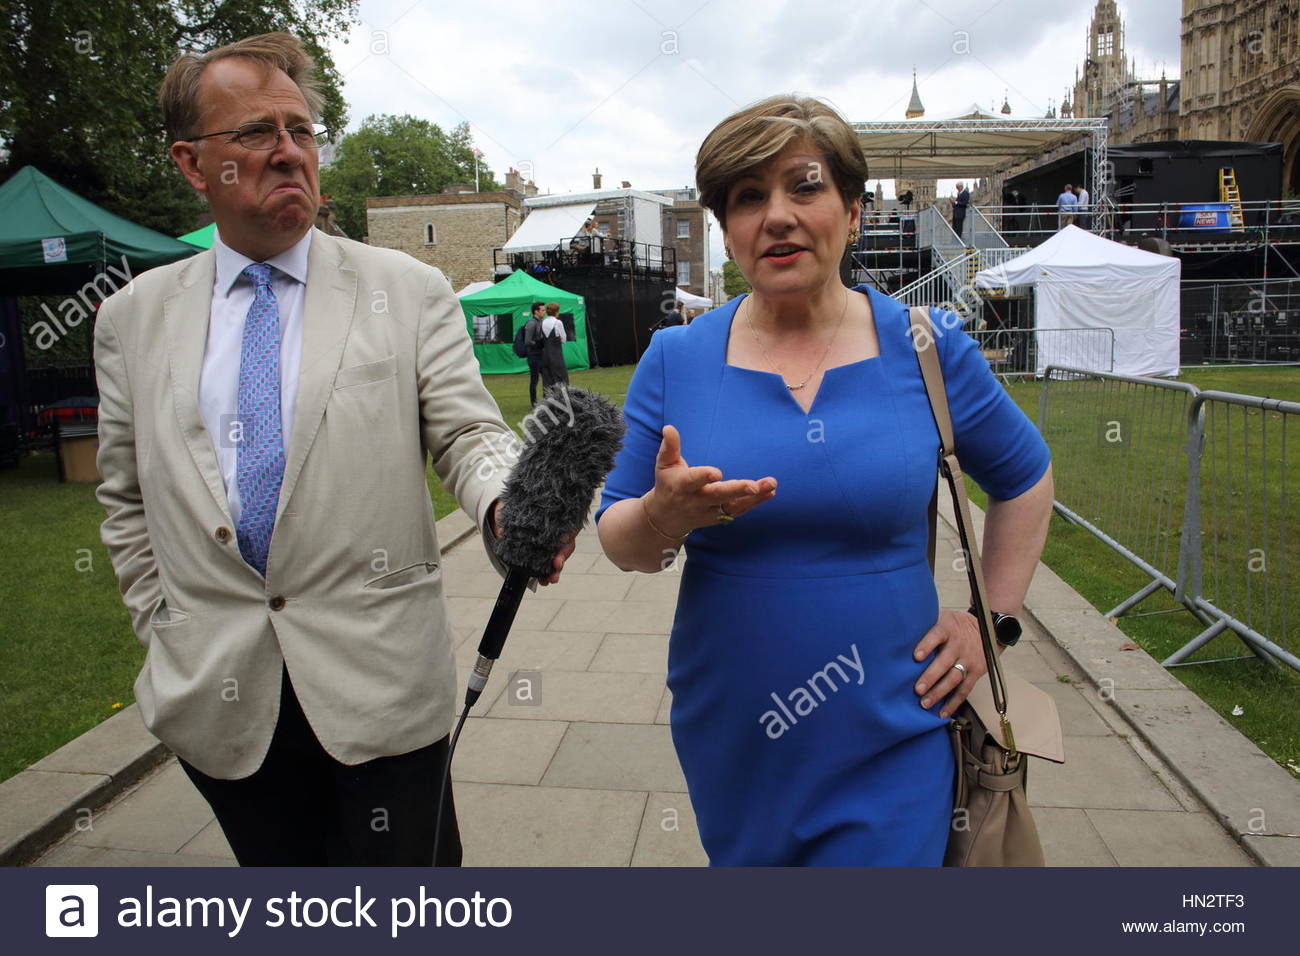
(1179, 223)
(590, 254)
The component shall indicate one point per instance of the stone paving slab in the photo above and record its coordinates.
(616, 757)
(1277, 851)
(636, 653)
(210, 842)
(492, 750)
(504, 825)
(1099, 772)
(1144, 838)
(71, 854)
(1068, 836)
(161, 818)
(668, 835)
(536, 650)
(587, 696)
(37, 805)
(119, 748)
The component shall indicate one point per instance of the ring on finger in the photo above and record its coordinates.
(961, 667)
(725, 516)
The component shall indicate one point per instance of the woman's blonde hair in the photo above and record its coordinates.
(179, 94)
(750, 137)
(552, 308)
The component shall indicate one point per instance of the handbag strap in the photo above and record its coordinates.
(922, 331)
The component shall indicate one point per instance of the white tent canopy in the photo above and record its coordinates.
(472, 288)
(548, 227)
(1085, 282)
(692, 301)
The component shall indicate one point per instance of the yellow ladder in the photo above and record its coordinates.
(1229, 193)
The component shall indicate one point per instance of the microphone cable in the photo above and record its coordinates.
(446, 777)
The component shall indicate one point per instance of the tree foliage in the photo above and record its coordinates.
(79, 87)
(733, 280)
(398, 156)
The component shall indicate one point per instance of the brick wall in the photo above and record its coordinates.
(466, 228)
(692, 249)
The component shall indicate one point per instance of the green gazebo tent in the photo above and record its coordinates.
(200, 237)
(53, 241)
(514, 297)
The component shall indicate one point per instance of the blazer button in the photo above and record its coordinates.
(223, 534)
(277, 603)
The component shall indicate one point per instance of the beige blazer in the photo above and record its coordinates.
(352, 601)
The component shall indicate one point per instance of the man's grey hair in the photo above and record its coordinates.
(179, 94)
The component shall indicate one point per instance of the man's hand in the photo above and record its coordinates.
(570, 542)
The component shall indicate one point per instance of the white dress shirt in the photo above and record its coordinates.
(552, 324)
(232, 297)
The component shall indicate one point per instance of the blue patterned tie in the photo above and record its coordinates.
(259, 454)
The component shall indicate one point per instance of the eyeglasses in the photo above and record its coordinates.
(267, 135)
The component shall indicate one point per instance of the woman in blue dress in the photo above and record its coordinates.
(786, 439)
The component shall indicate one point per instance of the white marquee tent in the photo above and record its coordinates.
(690, 300)
(472, 288)
(1082, 282)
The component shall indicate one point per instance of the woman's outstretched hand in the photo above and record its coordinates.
(686, 498)
(956, 636)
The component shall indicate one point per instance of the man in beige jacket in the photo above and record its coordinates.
(266, 409)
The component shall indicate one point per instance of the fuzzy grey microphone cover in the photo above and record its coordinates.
(571, 439)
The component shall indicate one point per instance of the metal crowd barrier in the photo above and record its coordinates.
(1159, 472)
(1024, 353)
(1240, 554)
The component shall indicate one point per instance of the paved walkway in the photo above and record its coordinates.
(586, 774)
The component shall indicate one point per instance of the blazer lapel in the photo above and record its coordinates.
(328, 307)
(186, 313)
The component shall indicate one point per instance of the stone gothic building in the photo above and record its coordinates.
(1138, 110)
(1241, 75)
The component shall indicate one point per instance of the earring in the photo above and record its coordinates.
(727, 249)
(854, 235)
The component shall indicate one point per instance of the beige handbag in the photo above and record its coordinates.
(991, 823)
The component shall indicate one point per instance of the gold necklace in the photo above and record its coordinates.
(817, 367)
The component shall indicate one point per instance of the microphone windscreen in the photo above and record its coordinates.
(570, 441)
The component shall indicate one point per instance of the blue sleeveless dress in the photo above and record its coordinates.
(790, 661)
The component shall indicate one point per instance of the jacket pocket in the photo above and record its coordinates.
(367, 373)
(413, 574)
(165, 616)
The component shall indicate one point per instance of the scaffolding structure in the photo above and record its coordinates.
(974, 148)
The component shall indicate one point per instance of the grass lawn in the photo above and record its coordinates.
(68, 655)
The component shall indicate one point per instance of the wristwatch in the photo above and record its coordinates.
(1006, 628)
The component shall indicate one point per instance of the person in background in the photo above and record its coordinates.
(553, 337)
(1083, 216)
(1066, 204)
(1012, 200)
(959, 204)
(587, 240)
(533, 346)
(676, 317)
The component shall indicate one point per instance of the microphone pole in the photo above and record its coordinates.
(494, 635)
(546, 499)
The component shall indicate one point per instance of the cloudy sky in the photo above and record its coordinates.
(558, 88)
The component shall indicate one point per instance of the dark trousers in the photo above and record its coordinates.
(534, 373)
(958, 219)
(304, 808)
